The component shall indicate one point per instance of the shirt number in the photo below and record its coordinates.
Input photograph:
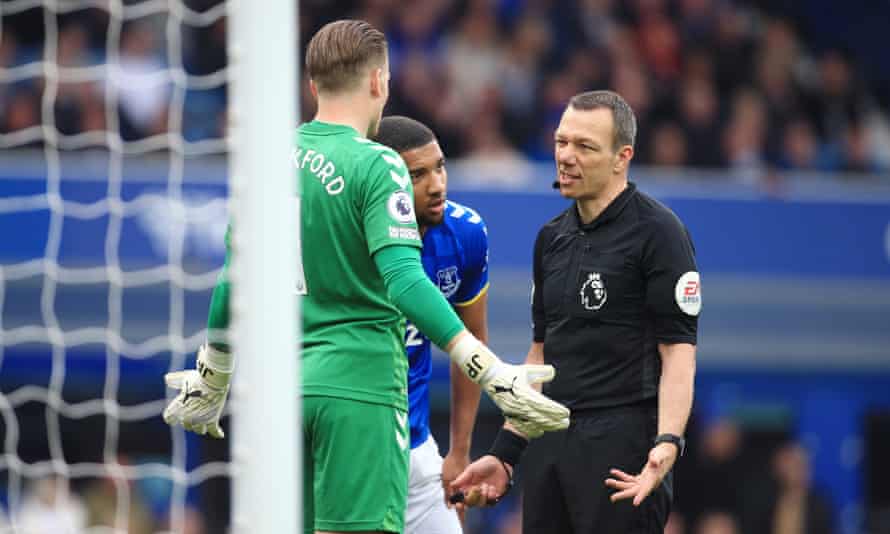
(413, 337)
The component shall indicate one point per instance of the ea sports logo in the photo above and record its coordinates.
(687, 293)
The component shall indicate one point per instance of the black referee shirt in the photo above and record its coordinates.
(606, 293)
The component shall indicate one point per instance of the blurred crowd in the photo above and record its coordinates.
(77, 93)
(738, 482)
(714, 83)
(54, 504)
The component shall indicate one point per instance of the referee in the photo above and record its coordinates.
(615, 307)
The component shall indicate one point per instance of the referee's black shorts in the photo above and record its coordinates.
(564, 473)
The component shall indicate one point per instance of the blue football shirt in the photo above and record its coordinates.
(455, 257)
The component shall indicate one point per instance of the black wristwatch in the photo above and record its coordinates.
(675, 439)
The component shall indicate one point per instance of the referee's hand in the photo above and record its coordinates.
(661, 459)
(491, 476)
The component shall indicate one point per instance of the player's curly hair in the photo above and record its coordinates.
(403, 133)
(341, 52)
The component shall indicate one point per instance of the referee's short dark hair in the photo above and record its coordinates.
(403, 133)
(622, 114)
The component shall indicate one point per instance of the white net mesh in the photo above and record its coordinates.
(112, 214)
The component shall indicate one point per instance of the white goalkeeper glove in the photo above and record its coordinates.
(509, 386)
(203, 393)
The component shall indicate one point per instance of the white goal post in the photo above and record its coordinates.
(266, 449)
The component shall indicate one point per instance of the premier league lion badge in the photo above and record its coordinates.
(593, 292)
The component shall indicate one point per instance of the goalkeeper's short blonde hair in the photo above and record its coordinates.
(341, 52)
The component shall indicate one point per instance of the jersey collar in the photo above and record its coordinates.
(318, 127)
(612, 211)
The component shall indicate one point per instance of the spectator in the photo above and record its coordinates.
(733, 38)
(698, 18)
(797, 508)
(49, 506)
(744, 138)
(521, 75)
(838, 100)
(596, 21)
(858, 155)
(676, 523)
(73, 44)
(416, 31)
(660, 48)
(669, 147)
(22, 110)
(143, 87)
(8, 49)
(802, 150)
(474, 55)
(101, 496)
(421, 91)
(714, 481)
(699, 112)
(717, 523)
(631, 81)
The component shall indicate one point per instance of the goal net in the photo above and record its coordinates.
(124, 125)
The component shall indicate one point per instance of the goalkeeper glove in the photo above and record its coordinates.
(203, 393)
(509, 386)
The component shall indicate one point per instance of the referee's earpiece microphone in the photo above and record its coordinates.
(555, 184)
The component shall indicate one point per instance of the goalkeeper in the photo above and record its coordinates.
(361, 260)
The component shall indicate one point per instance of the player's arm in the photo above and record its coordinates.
(203, 390)
(675, 389)
(673, 298)
(464, 392)
(675, 393)
(218, 317)
(471, 304)
(464, 396)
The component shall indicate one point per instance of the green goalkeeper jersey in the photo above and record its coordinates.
(356, 198)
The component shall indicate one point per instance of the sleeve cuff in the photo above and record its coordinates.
(473, 300)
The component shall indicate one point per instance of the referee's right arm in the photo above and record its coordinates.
(536, 350)
(535, 356)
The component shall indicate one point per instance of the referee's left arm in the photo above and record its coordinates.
(673, 299)
(675, 389)
(673, 303)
